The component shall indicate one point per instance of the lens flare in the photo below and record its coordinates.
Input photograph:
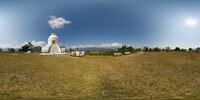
(191, 22)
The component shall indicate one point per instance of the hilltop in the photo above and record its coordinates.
(139, 75)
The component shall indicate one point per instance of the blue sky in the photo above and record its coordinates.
(95, 22)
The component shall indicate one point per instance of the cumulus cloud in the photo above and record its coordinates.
(58, 22)
(36, 43)
(106, 45)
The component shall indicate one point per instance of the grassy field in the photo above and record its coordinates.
(141, 75)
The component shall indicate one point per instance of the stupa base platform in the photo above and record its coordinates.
(53, 53)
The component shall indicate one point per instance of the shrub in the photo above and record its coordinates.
(94, 53)
(156, 49)
(126, 49)
(106, 52)
(190, 49)
(145, 49)
(11, 50)
(177, 49)
(198, 49)
(183, 50)
(100, 53)
(130, 49)
(138, 50)
(150, 49)
(167, 49)
(88, 52)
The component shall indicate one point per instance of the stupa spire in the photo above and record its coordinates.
(53, 33)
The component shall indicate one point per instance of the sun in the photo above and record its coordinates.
(191, 22)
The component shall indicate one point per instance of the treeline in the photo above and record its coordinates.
(130, 49)
(24, 48)
(101, 52)
(121, 50)
(167, 49)
(10, 50)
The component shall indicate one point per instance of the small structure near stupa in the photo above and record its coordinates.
(29, 50)
(127, 53)
(53, 47)
(77, 53)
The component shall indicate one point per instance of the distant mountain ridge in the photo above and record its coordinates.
(6, 49)
(95, 49)
(36, 48)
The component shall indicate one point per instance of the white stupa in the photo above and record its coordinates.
(53, 46)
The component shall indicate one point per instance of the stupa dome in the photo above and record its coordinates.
(53, 39)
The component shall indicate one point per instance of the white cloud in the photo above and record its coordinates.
(107, 45)
(14, 45)
(39, 43)
(36, 43)
(42, 44)
(57, 22)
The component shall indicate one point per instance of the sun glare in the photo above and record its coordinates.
(191, 22)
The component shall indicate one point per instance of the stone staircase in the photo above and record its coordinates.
(54, 49)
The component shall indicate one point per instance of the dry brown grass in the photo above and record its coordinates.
(143, 75)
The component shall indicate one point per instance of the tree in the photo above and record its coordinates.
(177, 49)
(11, 50)
(145, 49)
(88, 52)
(138, 50)
(102, 50)
(123, 49)
(126, 49)
(157, 49)
(167, 49)
(70, 50)
(20, 50)
(190, 49)
(198, 49)
(109, 52)
(150, 49)
(183, 50)
(1, 50)
(30, 45)
(119, 49)
(100, 53)
(130, 49)
(25, 48)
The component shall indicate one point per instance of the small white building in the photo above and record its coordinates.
(77, 53)
(127, 53)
